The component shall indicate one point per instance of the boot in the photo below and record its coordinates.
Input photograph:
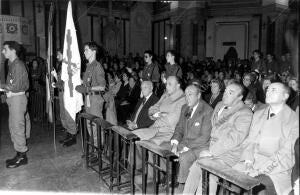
(71, 141)
(66, 137)
(18, 160)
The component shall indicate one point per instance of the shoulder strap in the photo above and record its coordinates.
(178, 98)
(177, 70)
(152, 71)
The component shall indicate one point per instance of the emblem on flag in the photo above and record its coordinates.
(71, 65)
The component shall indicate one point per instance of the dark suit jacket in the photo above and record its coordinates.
(133, 95)
(194, 133)
(143, 120)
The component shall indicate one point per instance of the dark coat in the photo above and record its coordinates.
(194, 133)
(143, 120)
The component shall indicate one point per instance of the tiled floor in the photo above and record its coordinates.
(48, 169)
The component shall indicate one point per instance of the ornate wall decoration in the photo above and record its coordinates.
(14, 28)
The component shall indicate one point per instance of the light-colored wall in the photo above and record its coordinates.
(252, 35)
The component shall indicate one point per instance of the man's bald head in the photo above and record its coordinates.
(146, 88)
(194, 89)
(277, 93)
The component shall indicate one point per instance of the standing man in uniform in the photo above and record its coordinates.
(17, 83)
(67, 122)
(93, 84)
(151, 70)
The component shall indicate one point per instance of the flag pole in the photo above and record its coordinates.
(50, 67)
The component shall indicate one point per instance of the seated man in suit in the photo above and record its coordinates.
(230, 121)
(166, 114)
(192, 132)
(269, 149)
(140, 117)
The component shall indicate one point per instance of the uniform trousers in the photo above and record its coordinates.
(94, 107)
(17, 106)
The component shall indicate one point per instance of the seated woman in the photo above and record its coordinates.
(122, 94)
(129, 101)
(293, 100)
(216, 93)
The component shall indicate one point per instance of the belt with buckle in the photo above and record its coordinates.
(95, 93)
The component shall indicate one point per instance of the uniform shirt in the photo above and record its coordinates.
(17, 77)
(173, 70)
(94, 75)
(151, 73)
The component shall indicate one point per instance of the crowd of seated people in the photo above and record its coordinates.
(227, 113)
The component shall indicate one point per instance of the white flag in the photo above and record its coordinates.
(71, 67)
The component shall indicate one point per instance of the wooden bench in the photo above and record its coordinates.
(158, 153)
(125, 154)
(98, 156)
(82, 121)
(228, 176)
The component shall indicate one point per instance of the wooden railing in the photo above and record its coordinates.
(158, 154)
(116, 152)
(230, 180)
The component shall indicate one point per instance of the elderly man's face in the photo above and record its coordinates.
(231, 94)
(192, 96)
(275, 94)
(215, 88)
(172, 85)
(146, 89)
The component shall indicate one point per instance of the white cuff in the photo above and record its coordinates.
(248, 162)
(174, 141)
(185, 149)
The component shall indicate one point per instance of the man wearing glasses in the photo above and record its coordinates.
(151, 70)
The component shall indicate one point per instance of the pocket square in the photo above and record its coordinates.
(197, 124)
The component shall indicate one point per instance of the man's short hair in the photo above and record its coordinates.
(195, 86)
(149, 52)
(92, 45)
(13, 45)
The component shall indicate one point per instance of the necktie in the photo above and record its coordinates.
(144, 101)
(189, 113)
(270, 115)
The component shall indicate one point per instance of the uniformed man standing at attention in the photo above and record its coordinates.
(93, 83)
(17, 83)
